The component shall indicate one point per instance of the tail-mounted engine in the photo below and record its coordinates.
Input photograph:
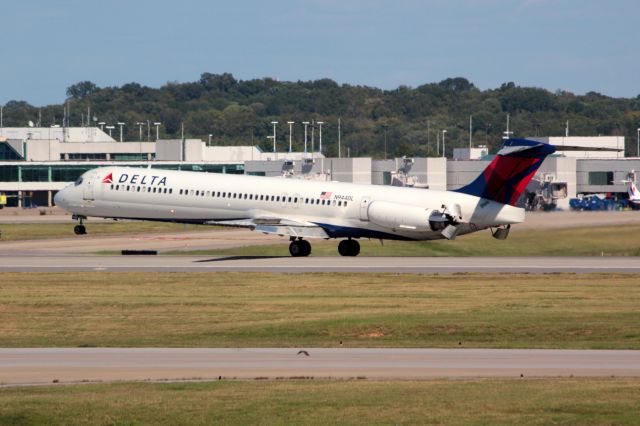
(400, 216)
(446, 221)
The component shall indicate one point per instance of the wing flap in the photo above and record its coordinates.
(276, 225)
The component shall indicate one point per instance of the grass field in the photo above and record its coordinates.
(587, 241)
(41, 231)
(548, 401)
(321, 310)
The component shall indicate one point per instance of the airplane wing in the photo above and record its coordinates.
(276, 225)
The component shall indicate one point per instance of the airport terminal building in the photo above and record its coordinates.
(35, 163)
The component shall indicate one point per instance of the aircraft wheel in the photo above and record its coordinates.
(354, 248)
(79, 230)
(349, 248)
(306, 247)
(298, 248)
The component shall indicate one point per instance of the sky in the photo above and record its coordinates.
(571, 45)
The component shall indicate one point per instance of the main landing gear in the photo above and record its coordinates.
(299, 248)
(80, 228)
(349, 248)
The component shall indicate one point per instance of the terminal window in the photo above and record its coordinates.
(600, 178)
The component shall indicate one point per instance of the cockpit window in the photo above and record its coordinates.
(78, 181)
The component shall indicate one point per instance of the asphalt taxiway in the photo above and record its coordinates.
(69, 365)
(419, 265)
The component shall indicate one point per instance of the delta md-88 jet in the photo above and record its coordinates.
(303, 210)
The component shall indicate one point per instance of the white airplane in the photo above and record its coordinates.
(303, 209)
(632, 190)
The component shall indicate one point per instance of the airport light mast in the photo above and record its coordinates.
(157, 124)
(639, 142)
(274, 123)
(140, 124)
(320, 123)
(120, 123)
(306, 123)
(290, 123)
(110, 128)
(444, 131)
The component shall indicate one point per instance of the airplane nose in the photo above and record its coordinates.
(59, 199)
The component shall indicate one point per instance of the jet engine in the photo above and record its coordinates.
(401, 216)
(394, 215)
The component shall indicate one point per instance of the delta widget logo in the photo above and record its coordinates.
(108, 178)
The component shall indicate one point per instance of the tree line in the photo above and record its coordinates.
(240, 112)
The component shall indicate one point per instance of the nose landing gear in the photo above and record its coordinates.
(349, 248)
(300, 248)
(80, 228)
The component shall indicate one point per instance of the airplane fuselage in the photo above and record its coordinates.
(342, 210)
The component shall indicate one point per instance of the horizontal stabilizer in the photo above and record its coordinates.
(585, 148)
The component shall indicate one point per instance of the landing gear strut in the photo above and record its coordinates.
(349, 248)
(80, 229)
(299, 248)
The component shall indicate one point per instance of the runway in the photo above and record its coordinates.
(69, 365)
(418, 265)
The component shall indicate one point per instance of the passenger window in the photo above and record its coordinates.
(170, 190)
(181, 192)
(117, 187)
(272, 198)
(295, 200)
(289, 199)
(339, 203)
(345, 204)
(138, 189)
(128, 187)
(333, 203)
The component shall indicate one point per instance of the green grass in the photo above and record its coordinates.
(543, 401)
(42, 231)
(321, 310)
(587, 241)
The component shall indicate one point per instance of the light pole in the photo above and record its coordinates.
(120, 123)
(638, 142)
(306, 123)
(384, 128)
(274, 123)
(313, 136)
(290, 123)
(444, 131)
(320, 123)
(110, 128)
(210, 135)
(507, 133)
(101, 124)
(148, 131)
(157, 124)
(140, 124)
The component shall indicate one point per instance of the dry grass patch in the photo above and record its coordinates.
(280, 310)
(545, 401)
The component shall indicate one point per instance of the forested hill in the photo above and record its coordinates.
(237, 112)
